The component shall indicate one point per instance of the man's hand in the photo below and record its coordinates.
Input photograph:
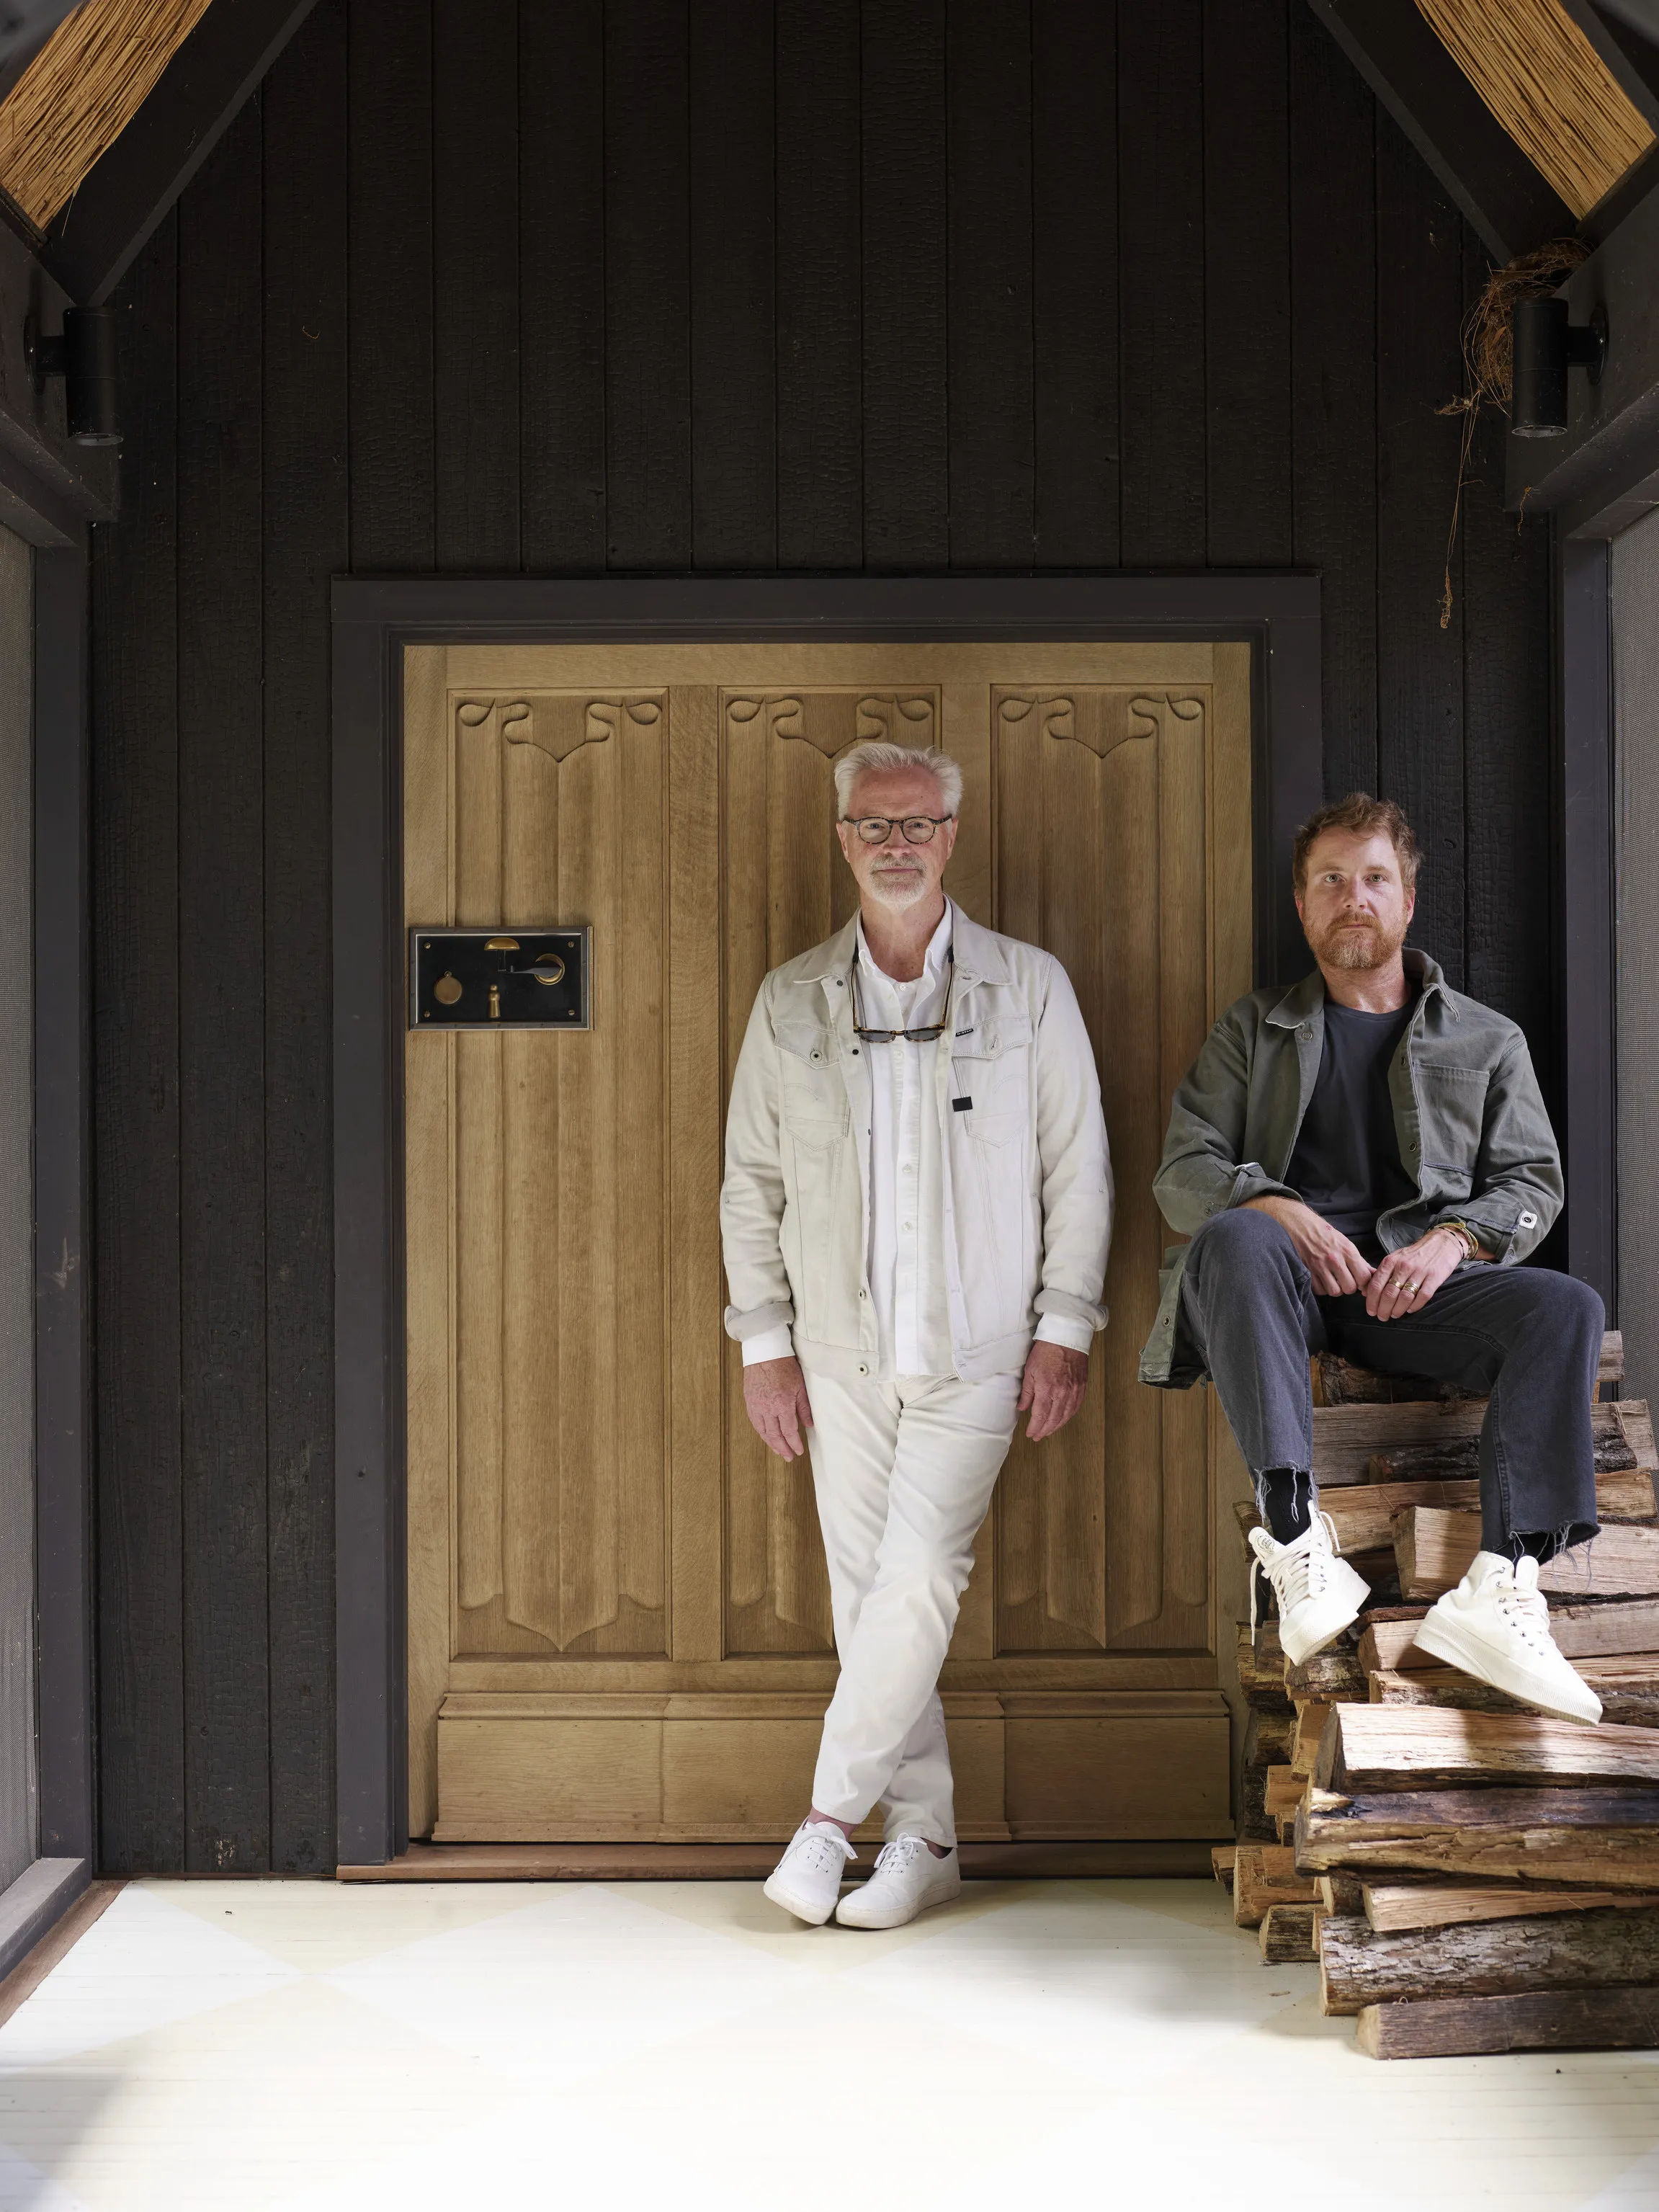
(774, 1392)
(1405, 1281)
(1055, 1380)
(1337, 1268)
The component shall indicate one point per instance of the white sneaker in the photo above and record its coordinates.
(907, 1879)
(1318, 1592)
(1495, 1626)
(806, 1880)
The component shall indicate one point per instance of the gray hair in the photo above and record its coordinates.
(876, 753)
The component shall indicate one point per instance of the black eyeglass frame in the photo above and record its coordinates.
(934, 822)
(906, 1037)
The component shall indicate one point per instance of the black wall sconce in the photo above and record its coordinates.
(84, 357)
(1546, 346)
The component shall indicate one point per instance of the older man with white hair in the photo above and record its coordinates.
(915, 1215)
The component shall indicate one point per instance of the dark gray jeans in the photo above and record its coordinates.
(1529, 1336)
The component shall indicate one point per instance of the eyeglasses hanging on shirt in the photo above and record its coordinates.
(907, 1036)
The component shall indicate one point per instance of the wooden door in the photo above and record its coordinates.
(619, 1619)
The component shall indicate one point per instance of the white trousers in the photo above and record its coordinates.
(904, 1472)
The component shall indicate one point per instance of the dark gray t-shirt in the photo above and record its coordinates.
(1347, 1163)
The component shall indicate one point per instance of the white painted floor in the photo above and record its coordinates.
(676, 2046)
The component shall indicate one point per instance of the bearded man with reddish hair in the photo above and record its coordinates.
(1359, 1163)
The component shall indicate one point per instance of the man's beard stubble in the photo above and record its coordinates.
(897, 887)
(1360, 951)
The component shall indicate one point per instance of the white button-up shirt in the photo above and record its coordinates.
(906, 1260)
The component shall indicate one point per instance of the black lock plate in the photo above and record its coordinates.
(498, 978)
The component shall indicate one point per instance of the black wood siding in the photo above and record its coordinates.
(489, 286)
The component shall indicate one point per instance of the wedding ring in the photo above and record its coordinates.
(1413, 1288)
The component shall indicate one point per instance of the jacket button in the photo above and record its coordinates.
(863, 1295)
(863, 1370)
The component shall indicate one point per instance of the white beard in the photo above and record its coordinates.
(897, 888)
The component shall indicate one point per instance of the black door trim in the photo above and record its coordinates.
(373, 620)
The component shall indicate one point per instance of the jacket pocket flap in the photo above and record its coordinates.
(1002, 1033)
(808, 1041)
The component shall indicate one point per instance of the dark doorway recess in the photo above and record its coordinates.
(373, 621)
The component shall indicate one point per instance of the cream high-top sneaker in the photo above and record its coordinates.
(1495, 1626)
(1318, 1592)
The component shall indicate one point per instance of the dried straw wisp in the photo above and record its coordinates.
(1549, 89)
(80, 93)
(1488, 351)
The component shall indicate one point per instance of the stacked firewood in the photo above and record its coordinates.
(1470, 1876)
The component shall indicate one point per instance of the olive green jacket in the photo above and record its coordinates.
(1466, 1107)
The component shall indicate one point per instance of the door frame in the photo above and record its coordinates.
(1277, 612)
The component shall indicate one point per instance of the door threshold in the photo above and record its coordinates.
(1082, 1860)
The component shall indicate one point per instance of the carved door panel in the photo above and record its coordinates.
(619, 1614)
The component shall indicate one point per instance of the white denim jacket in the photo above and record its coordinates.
(1028, 1179)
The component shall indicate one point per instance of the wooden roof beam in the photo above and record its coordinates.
(1507, 203)
(127, 191)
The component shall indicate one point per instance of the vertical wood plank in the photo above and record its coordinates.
(696, 1339)
(733, 288)
(1161, 301)
(1247, 285)
(640, 1189)
(475, 283)
(989, 294)
(1136, 1103)
(225, 1502)
(1419, 664)
(531, 1553)
(390, 295)
(820, 444)
(1074, 281)
(646, 286)
(428, 1233)
(479, 1170)
(589, 1088)
(135, 870)
(306, 524)
(906, 252)
(561, 284)
(1333, 122)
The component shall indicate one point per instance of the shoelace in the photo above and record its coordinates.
(817, 1843)
(1525, 1606)
(1298, 1575)
(900, 1853)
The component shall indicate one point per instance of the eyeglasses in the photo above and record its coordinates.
(876, 828)
(906, 1037)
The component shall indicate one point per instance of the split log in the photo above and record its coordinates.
(1435, 1549)
(1338, 1382)
(1347, 1438)
(1598, 1838)
(1628, 1689)
(1389, 1907)
(1285, 1791)
(1221, 1864)
(1261, 1676)
(1341, 1892)
(1553, 2019)
(1270, 1738)
(1621, 1438)
(1311, 1715)
(1253, 1825)
(1387, 1646)
(1487, 1959)
(1363, 1516)
(1329, 1674)
(1620, 1625)
(1264, 1874)
(1289, 1935)
(1376, 1747)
